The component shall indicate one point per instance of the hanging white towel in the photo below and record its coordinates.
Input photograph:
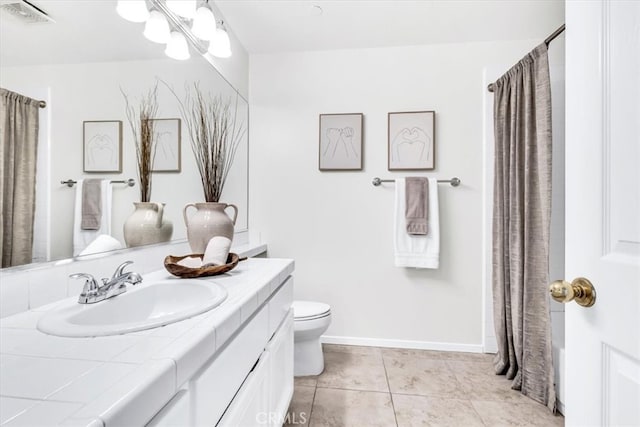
(102, 243)
(419, 251)
(82, 238)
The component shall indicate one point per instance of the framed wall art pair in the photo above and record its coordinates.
(102, 146)
(410, 141)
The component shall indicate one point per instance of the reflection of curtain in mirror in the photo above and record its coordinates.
(18, 151)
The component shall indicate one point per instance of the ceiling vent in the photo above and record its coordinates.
(24, 12)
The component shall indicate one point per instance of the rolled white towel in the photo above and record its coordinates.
(217, 251)
(191, 262)
(102, 243)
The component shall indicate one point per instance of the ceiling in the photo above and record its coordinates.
(84, 31)
(91, 30)
(271, 26)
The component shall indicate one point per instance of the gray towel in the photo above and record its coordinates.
(91, 204)
(416, 205)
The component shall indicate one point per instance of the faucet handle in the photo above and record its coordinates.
(120, 269)
(90, 284)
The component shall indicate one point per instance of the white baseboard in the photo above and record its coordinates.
(490, 346)
(418, 345)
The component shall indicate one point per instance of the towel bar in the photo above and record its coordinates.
(130, 182)
(453, 181)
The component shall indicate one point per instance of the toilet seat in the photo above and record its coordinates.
(310, 310)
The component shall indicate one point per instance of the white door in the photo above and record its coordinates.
(603, 211)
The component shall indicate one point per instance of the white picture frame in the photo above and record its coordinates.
(168, 148)
(411, 140)
(340, 142)
(102, 146)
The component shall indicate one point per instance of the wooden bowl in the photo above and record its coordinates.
(172, 266)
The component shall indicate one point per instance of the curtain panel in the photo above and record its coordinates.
(19, 121)
(521, 224)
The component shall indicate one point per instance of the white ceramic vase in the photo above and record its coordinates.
(147, 225)
(209, 220)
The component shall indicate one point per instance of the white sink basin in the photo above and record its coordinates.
(146, 306)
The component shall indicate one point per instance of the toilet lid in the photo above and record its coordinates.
(306, 310)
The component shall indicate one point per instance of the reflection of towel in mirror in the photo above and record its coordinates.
(102, 243)
(419, 251)
(91, 204)
(82, 238)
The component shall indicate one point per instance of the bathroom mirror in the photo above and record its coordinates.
(79, 65)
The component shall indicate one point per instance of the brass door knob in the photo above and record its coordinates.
(581, 290)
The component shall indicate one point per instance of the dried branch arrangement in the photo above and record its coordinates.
(215, 134)
(145, 140)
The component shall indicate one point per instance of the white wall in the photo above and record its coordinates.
(234, 69)
(338, 226)
(81, 92)
(557, 236)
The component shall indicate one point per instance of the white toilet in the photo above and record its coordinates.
(311, 320)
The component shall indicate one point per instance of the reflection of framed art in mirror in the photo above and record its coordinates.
(168, 145)
(102, 146)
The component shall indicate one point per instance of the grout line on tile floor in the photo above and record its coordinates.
(353, 389)
(393, 406)
(313, 403)
(477, 413)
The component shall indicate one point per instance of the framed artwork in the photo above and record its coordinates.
(340, 142)
(168, 155)
(412, 140)
(102, 146)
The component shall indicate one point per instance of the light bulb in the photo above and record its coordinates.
(133, 10)
(157, 28)
(220, 45)
(184, 8)
(204, 24)
(177, 47)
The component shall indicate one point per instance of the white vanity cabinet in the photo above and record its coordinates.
(280, 351)
(264, 397)
(249, 381)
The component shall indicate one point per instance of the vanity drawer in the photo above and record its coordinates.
(280, 351)
(218, 381)
(265, 395)
(250, 407)
(280, 305)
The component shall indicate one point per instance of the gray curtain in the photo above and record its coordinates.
(521, 221)
(18, 150)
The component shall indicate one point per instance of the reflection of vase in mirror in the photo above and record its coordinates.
(209, 220)
(147, 225)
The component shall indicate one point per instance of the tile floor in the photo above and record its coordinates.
(370, 387)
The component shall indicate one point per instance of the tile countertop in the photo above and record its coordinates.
(49, 380)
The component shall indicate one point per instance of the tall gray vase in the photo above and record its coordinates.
(147, 225)
(209, 220)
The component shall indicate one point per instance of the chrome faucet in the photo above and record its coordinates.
(92, 292)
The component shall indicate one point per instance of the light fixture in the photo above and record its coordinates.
(178, 23)
(157, 28)
(220, 45)
(133, 10)
(177, 47)
(184, 8)
(204, 23)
